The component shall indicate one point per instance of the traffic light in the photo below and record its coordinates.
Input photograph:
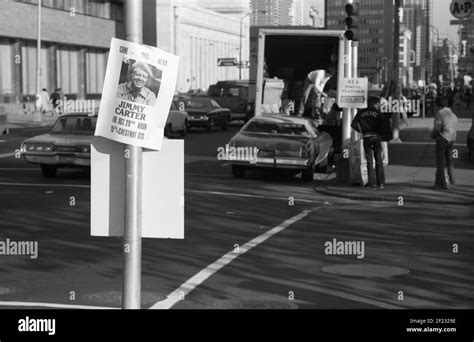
(352, 22)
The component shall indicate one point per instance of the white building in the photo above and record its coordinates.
(279, 12)
(199, 36)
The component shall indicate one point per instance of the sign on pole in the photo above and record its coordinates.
(227, 62)
(139, 85)
(461, 8)
(353, 92)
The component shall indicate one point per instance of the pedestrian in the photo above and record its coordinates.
(467, 89)
(444, 132)
(55, 101)
(43, 101)
(371, 124)
(315, 80)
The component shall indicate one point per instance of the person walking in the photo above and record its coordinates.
(444, 132)
(370, 123)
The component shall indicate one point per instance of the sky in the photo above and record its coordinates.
(441, 18)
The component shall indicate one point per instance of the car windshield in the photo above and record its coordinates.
(277, 128)
(75, 124)
(197, 104)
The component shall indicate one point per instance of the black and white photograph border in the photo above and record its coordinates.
(362, 209)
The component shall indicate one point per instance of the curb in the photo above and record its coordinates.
(386, 198)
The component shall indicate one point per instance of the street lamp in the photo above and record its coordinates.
(240, 46)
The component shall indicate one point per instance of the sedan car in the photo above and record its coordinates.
(470, 143)
(206, 113)
(68, 144)
(278, 142)
(177, 121)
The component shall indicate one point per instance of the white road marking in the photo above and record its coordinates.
(235, 194)
(6, 155)
(47, 185)
(2, 141)
(54, 305)
(211, 269)
(207, 175)
(331, 292)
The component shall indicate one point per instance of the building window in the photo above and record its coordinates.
(6, 84)
(28, 64)
(68, 70)
(95, 66)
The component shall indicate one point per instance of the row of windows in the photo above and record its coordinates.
(371, 50)
(371, 40)
(341, 22)
(98, 8)
(361, 2)
(67, 66)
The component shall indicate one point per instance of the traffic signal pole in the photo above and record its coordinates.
(132, 238)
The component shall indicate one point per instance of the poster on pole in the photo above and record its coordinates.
(139, 85)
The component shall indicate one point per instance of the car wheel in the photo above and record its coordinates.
(307, 175)
(238, 171)
(211, 126)
(183, 132)
(49, 171)
(168, 130)
(225, 125)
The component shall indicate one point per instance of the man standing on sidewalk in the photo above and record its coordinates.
(369, 122)
(444, 131)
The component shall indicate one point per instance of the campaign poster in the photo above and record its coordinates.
(139, 85)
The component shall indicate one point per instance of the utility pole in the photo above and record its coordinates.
(132, 238)
(39, 116)
(395, 66)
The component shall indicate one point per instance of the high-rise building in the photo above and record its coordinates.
(375, 35)
(466, 46)
(417, 18)
(279, 12)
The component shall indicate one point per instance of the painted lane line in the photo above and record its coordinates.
(232, 194)
(54, 305)
(193, 282)
(332, 292)
(6, 155)
(47, 185)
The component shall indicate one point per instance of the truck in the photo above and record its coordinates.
(280, 59)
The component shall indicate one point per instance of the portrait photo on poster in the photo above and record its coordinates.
(139, 82)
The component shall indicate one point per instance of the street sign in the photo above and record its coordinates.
(138, 89)
(460, 22)
(353, 93)
(461, 8)
(227, 61)
(162, 190)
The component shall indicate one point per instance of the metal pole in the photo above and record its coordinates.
(395, 66)
(132, 235)
(38, 61)
(240, 48)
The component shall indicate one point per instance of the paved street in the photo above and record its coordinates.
(247, 243)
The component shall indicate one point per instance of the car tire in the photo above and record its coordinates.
(225, 125)
(238, 171)
(49, 171)
(183, 132)
(168, 130)
(307, 175)
(211, 126)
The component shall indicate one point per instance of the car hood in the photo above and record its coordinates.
(197, 112)
(269, 142)
(62, 139)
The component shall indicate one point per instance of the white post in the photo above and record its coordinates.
(39, 116)
(132, 238)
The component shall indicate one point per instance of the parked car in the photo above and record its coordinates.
(177, 121)
(280, 142)
(233, 95)
(470, 143)
(206, 113)
(68, 144)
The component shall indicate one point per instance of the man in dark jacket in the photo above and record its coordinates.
(369, 122)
